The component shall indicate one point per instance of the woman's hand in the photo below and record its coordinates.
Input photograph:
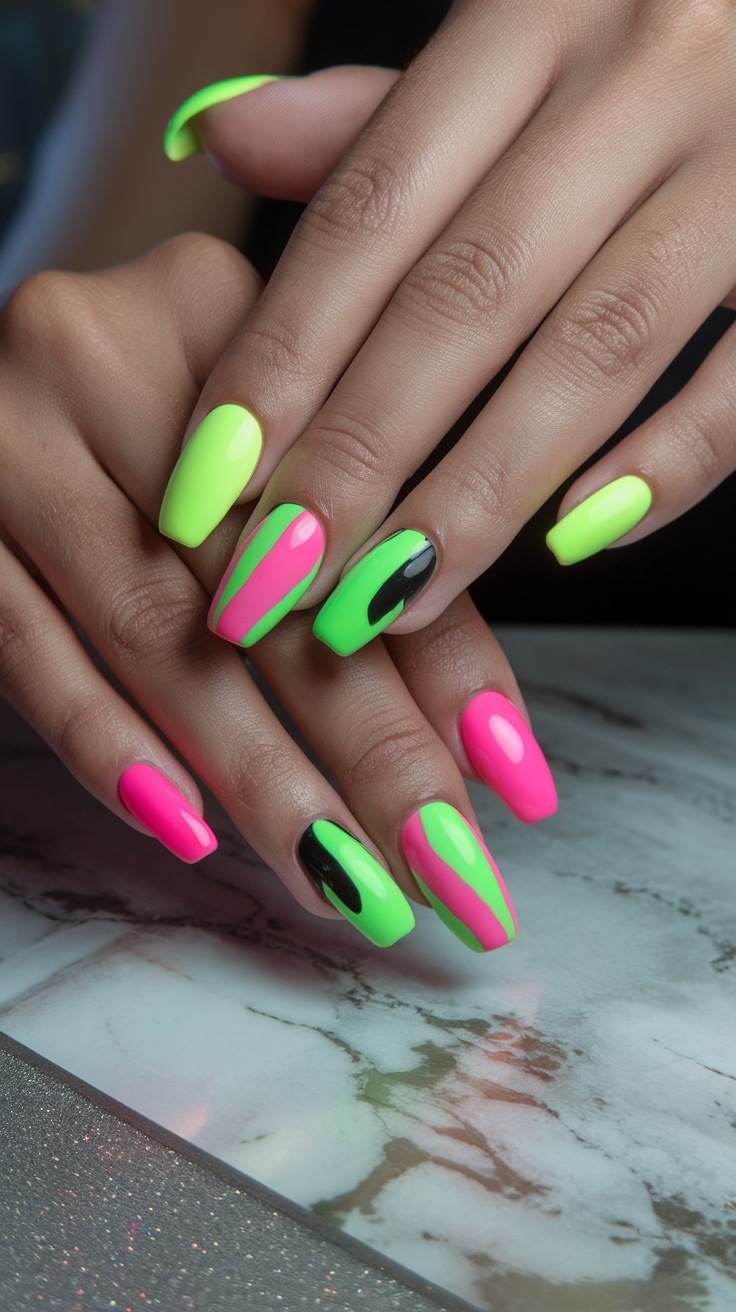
(98, 373)
(563, 171)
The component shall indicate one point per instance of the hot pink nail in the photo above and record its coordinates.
(507, 756)
(165, 812)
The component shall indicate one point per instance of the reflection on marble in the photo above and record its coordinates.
(551, 1127)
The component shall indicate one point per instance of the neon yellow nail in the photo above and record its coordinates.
(180, 138)
(211, 472)
(601, 519)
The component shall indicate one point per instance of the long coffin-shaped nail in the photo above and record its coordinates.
(154, 801)
(354, 882)
(267, 575)
(600, 520)
(210, 474)
(507, 756)
(180, 139)
(459, 877)
(375, 591)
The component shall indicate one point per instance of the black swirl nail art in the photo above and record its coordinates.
(376, 591)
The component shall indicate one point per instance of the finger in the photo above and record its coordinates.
(594, 358)
(388, 199)
(284, 138)
(47, 675)
(460, 679)
(144, 613)
(661, 470)
(395, 774)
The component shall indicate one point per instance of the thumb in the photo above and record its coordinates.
(283, 138)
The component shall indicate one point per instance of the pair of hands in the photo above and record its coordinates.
(98, 373)
(440, 241)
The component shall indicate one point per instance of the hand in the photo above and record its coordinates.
(555, 171)
(98, 372)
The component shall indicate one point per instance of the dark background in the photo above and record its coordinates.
(681, 575)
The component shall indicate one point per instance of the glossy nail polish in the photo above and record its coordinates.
(601, 519)
(507, 756)
(458, 877)
(154, 801)
(376, 591)
(354, 882)
(267, 575)
(180, 139)
(210, 474)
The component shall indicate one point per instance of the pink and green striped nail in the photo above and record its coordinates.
(269, 572)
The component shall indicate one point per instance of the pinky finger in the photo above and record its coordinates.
(664, 468)
(47, 675)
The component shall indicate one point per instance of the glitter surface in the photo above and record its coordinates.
(100, 1209)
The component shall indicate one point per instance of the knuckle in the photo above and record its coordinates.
(687, 27)
(153, 620)
(605, 334)
(20, 637)
(256, 770)
(278, 354)
(50, 307)
(449, 643)
(353, 448)
(697, 446)
(466, 281)
(384, 749)
(361, 197)
(483, 486)
(208, 261)
(82, 721)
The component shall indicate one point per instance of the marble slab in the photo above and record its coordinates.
(548, 1128)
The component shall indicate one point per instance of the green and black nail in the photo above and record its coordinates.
(376, 591)
(355, 883)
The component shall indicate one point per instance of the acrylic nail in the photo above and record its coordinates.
(600, 520)
(153, 800)
(210, 474)
(355, 883)
(180, 138)
(376, 591)
(267, 575)
(459, 877)
(503, 750)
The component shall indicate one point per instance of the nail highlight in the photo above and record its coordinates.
(507, 756)
(154, 801)
(267, 575)
(210, 474)
(459, 877)
(600, 520)
(376, 591)
(354, 882)
(180, 139)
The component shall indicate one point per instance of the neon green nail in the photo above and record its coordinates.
(180, 139)
(210, 474)
(601, 519)
(355, 883)
(375, 591)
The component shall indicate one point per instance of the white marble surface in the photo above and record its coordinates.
(551, 1127)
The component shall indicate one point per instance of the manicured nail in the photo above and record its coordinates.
(210, 474)
(600, 520)
(180, 138)
(375, 591)
(458, 877)
(507, 756)
(354, 882)
(267, 575)
(154, 801)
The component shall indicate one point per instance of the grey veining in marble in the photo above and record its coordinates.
(551, 1127)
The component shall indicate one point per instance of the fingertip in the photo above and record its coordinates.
(181, 137)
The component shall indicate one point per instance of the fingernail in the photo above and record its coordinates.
(458, 877)
(600, 520)
(210, 474)
(354, 882)
(376, 591)
(267, 575)
(154, 801)
(507, 756)
(180, 139)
